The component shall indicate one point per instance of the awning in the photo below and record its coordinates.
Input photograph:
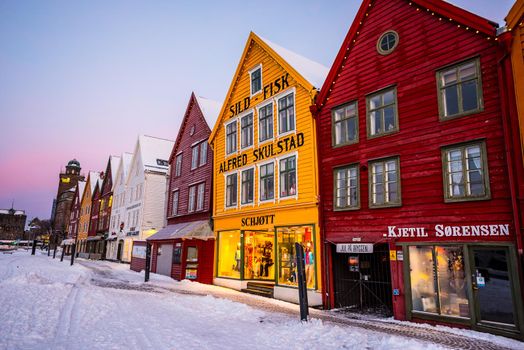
(95, 238)
(69, 241)
(185, 230)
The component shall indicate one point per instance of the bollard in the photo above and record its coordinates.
(48, 249)
(148, 265)
(73, 253)
(54, 251)
(302, 287)
(33, 249)
(62, 256)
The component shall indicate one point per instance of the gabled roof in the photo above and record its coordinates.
(438, 7)
(515, 14)
(152, 151)
(308, 73)
(93, 178)
(210, 109)
(114, 160)
(81, 186)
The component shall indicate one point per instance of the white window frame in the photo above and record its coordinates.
(275, 193)
(252, 203)
(278, 97)
(251, 71)
(195, 159)
(191, 201)
(278, 159)
(174, 209)
(258, 108)
(387, 202)
(234, 120)
(201, 193)
(203, 153)
(225, 190)
(178, 167)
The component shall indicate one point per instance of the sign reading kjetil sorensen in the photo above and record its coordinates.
(443, 231)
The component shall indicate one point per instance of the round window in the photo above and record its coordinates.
(192, 131)
(387, 42)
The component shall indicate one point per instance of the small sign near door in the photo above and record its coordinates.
(481, 282)
(362, 248)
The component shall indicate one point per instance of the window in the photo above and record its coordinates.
(177, 255)
(287, 270)
(267, 181)
(231, 190)
(265, 128)
(345, 124)
(387, 42)
(231, 137)
(203, 153)
(192, 197)
(288, 177)
(459, 89)
(229, 260)
(346, 187)
(382, 112)
(174, 210)
(384, 183)
(246, 130)
(194, 156)
(286, 113)
(465, 172)
(256, 80)
(178, 165)
(438, 280)
(200, 196)
(247, 186)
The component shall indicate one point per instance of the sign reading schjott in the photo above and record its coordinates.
(363, 248)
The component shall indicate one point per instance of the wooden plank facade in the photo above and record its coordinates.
(388, 136)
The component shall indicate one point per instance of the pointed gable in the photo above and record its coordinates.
(307, 73)
(441, 10)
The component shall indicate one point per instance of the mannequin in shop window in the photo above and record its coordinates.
(237, 258)
(310, 263)
(267, 251)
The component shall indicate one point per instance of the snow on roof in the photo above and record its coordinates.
(81, 185)
(210, 109)
(312, 71)
(114, 161)
(8, 211)
(94, 176)
(126, 162)
(154, 151)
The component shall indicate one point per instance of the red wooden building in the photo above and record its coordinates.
(184, 249)
(420, 213)
(106, 203)
(74, 218)
(95, 242)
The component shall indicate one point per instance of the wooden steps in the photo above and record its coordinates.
(264, 289)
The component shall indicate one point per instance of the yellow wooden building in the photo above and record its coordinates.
(265, 195)
(515, 23)
(85, 212)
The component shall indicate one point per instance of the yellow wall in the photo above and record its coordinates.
(515, 21)
(85, 214)
(299, 210)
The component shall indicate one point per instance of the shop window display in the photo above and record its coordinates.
(438, 280)
(287, 267)
(259, 255)
(229, 254)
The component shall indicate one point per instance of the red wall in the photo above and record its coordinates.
(425, 45)
(188, 177)
(138, 264)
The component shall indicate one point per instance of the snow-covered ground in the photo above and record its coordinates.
(47, 304)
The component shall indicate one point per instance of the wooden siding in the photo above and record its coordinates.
(154, 199)
(188, 176)
(306, 161)
(95, 208)
(106, 194)
(426, 44)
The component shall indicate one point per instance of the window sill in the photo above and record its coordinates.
(467, 199)
(347, 208)
(444, 118)
(345, 144)
(381, 206)
(383, 134)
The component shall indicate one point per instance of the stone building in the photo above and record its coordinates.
(12, 224)
(64, 197)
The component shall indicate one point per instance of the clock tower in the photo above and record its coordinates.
(66, 189)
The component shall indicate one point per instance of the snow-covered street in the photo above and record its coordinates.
(47, 304)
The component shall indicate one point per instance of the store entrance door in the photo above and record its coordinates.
(493, 289)
(362, 282)
(165, 259)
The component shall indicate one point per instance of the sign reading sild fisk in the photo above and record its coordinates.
(363, 248)
(443, 231)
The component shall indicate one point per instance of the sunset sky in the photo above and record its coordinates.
(81, 79)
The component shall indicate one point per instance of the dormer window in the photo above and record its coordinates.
(256, 80)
